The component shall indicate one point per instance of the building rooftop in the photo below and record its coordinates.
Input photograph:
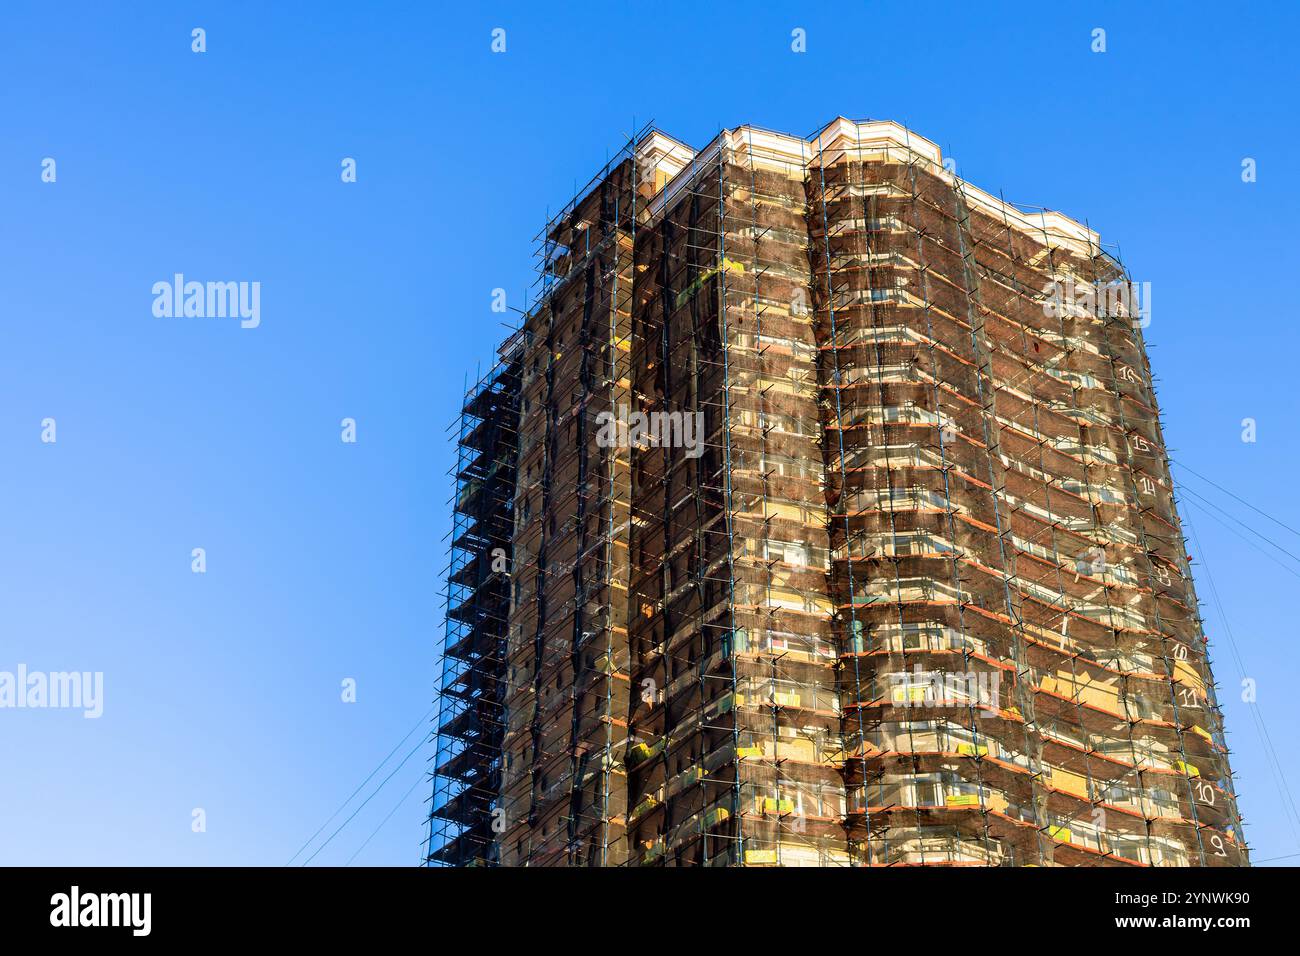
(670, 158)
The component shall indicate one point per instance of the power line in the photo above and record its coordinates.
(1211, 516)
(1238, 498)
(1228, 514)
(1279, 775)
(362, 806)
(418, 780)
(417, 726)
(1273, 859)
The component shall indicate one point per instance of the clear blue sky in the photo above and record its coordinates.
(222, 690)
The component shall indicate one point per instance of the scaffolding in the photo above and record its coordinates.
(463, 818)
(563, 790)
(914, 590)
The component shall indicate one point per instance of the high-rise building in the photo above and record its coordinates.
(818, 513)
